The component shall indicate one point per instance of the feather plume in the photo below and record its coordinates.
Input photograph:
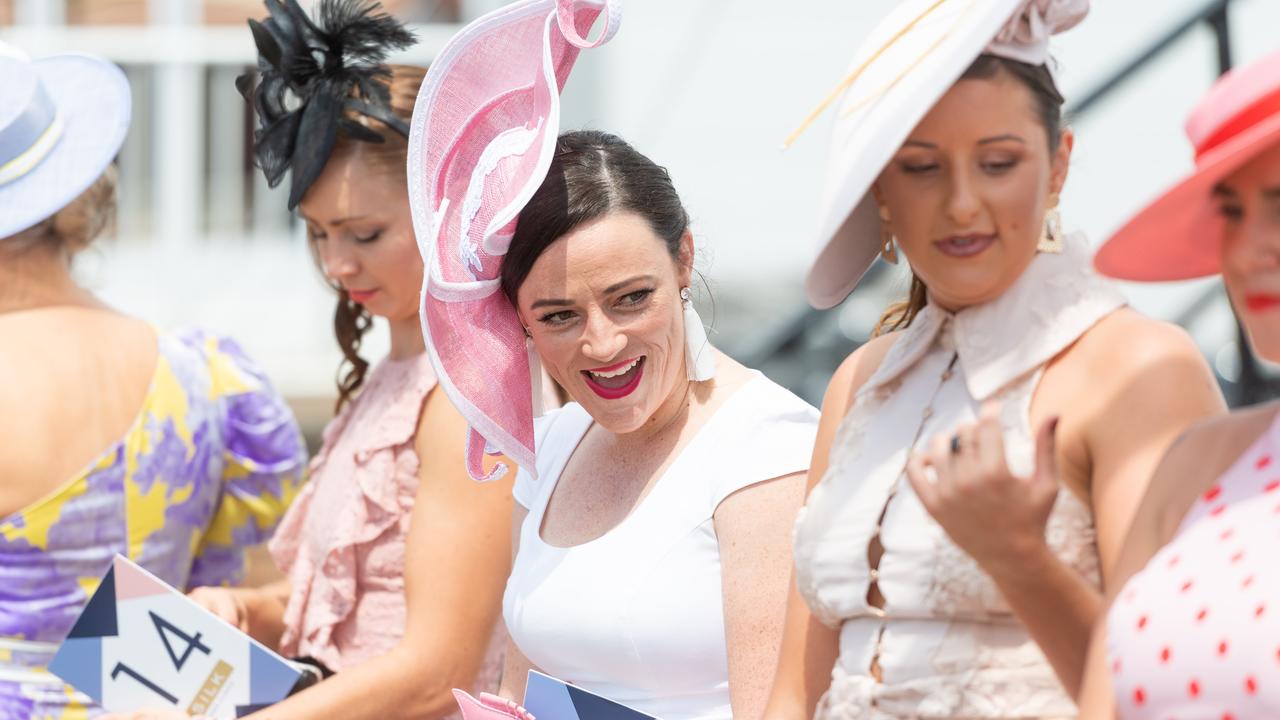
(310, 73)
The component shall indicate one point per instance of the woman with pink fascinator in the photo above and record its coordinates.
(653, 512)
(942, 570)
(1193, 630)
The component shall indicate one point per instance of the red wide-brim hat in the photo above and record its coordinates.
(1178, 236)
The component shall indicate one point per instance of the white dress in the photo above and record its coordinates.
(636, 615)
(945, 643)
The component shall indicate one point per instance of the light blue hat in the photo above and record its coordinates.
(62, 121)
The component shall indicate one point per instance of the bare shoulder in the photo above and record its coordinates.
(1199, 457)
(77, 324)
(1130, 360)
(1127, 339)
(855, 370)
(441, 443)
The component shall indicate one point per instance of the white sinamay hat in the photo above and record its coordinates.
(902, 69)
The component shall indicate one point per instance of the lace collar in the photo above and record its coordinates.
(1053, 303)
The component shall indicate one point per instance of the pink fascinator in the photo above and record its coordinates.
(480, 143)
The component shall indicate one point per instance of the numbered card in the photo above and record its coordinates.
(547, 697)
(140, 643)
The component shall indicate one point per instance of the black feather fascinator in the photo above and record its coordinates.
(308, 73)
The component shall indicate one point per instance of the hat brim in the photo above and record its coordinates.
(93, 96)
(905, 74)
(1178, 236)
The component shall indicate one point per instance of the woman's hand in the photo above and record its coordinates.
(965, 483)
(227, 603)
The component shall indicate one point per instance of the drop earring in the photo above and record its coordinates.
(1051, 239)
(888, 250)
(699, 359)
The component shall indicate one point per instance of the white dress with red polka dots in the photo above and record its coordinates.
(1196, 634)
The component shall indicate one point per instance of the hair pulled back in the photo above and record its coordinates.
(593, 174)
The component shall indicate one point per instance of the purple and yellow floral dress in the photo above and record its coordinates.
(206, 470)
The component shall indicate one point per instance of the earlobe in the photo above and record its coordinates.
(877, 194)
(686, 258)
(1062, 160)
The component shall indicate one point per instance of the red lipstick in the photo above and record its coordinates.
(1261, 302)
(611, 384)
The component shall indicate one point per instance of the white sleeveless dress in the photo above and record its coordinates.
(945, 643)
(636, 615)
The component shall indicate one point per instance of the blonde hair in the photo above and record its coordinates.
(79, 223)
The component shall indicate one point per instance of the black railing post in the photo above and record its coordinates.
(1220, 21)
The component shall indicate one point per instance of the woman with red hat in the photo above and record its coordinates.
(1194, 625)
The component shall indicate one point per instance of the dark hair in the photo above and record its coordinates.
(592, 174)
(350, 319)
(1048, 102)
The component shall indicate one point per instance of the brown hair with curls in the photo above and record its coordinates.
(350, 319)
(1048, 106)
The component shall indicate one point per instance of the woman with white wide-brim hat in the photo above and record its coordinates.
(1193, 630)
(169, 448)
(941, 572)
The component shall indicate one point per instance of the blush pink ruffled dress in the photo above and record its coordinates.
(342, 543)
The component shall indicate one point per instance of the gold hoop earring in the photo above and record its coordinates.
(888, 250)
(1051, 238)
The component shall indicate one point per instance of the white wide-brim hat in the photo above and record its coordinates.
(62, 121)
(898, 74)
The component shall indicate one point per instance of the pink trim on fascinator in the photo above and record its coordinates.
(483, 133)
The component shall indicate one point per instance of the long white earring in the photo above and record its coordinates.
(699, 359)
(1051, 238)
(535, 375)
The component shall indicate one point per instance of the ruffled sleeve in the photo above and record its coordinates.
(347, 529)
(264, 459)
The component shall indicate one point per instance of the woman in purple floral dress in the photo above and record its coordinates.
(170, 449)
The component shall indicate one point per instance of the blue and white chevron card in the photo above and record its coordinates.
(139, 643)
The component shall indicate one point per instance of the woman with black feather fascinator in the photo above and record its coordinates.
(394, 559)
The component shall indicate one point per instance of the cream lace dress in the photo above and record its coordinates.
(943, 644)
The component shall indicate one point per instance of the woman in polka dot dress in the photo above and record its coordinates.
(1194, 633)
